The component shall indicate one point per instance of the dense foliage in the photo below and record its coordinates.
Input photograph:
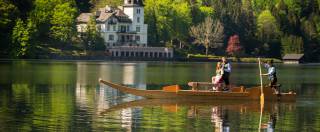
(269, 28)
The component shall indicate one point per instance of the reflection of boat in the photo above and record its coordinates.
(237, 93)
(238, 105)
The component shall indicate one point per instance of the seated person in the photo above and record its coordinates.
(217, 80)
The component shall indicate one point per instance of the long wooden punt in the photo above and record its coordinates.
(174, 92)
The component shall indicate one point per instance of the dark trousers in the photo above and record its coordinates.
(273, 83)
(225, 78)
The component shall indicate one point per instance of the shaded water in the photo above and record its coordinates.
(57, 95)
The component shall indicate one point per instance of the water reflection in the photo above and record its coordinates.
(224, 116)
(219, 118)
(271, 124)
(64, 96)
(130, 74)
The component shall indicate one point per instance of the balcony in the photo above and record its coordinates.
(126, 32)
(126, 43)
(112, 22)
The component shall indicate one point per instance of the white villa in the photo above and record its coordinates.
(124, 31)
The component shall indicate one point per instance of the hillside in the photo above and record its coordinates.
(269, 28)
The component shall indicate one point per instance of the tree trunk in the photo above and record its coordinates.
(207, 50)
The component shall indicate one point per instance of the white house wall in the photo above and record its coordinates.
(133, 14)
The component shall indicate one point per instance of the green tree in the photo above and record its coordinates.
(84, 5)
(22, 39)
(102, 3)
(47, 11)
(181, 21)
(200, 10)
(169, 20)
(63, 22)
(267, 26)
(8, 13)
(91, 38)
(292, 44)
(238, 17)
(151, 19)
(41, 15)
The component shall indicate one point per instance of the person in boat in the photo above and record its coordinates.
(272, 74)
(226, 73)
(217, 80)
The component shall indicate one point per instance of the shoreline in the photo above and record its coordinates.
(192, 60)
(106, 58)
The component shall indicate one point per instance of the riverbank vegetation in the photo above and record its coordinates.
(202, 57)
(266, 28)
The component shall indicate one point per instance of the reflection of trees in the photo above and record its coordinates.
(66, 96)
(31, 108)
(206, 117)
(102, 97)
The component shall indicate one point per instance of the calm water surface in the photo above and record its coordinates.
(65, 96)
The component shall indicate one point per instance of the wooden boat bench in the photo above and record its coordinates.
(200, 85)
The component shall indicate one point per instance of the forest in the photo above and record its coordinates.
(248, 28)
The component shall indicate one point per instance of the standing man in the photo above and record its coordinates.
(272, 75)
(226, 73)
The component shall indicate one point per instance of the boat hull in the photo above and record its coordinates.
(237, 93)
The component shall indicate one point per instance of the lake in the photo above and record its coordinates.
(65, 95)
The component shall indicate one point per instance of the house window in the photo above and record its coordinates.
(114, 28)
(137, 38)
(128, 28)
(138, 29)
(108, 28)
(138, 19)
(123, 28)
(138, 11)
(111, 37)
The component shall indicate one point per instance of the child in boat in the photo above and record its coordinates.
(217, 80)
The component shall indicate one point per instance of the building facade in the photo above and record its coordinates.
(123, 29)
(293, 58)
(119, 26)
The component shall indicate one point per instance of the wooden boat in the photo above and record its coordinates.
(174, 92)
